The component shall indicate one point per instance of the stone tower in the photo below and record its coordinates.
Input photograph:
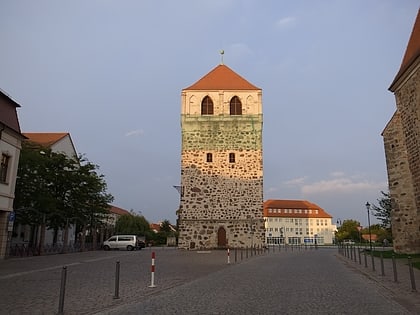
(402, 149)
(221, 163)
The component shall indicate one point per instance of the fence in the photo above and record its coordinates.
(397, 270)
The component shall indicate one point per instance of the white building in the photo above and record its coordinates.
(10, 145)
(297, 222)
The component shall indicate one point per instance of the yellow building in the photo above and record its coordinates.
(297, 222)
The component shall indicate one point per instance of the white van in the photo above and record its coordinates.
(128, 242)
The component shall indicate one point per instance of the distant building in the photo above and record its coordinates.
(221, 163)
(297, 222)
(10, 145)
(401, 138)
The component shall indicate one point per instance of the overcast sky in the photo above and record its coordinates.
(111, 73)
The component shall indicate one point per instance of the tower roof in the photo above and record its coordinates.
(222, 78)
(412, 51)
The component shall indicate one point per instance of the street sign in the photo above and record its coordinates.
(12, 216)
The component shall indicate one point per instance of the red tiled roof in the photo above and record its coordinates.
(222, 78)
(119, 211)
(294, 204)
(155, 226)
(412, 51)
(45, 139)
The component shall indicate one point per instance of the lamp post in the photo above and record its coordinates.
(370, 234)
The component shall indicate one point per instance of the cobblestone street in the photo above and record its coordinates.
(277, 282)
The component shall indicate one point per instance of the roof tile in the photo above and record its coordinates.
(222, 78)
(294, 204)
(46, 139)
(412, 51)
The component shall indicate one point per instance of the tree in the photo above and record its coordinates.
(132, 224)
(383, 211)
(55, 190)
(349, 230)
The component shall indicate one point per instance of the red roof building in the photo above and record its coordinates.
(297, 222)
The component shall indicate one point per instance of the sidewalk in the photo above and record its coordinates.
(401, 290)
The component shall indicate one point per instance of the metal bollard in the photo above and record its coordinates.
(117, 280)
(228, 256)
(394, 267)
(62, 290)
(236, 255)
(373, 260)
(365, 258)
(413, 281)
(382, 265)
(152, 278)
(360, 256)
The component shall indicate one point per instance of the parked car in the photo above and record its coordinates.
(349, 242)
(128, 242)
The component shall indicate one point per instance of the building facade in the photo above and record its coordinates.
(401, 138)
(221, 163)
(294, 222)
(10, 145)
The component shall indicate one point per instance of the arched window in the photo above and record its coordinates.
(235, 106)
(207, 106)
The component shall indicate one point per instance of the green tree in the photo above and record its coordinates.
(383, 211)
(54, 190)
(349, 230)
(132, 224)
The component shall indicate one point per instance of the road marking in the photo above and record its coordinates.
(37, 270)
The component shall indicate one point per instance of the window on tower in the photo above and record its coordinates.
(231, 157)
(209, 157)
(235, 106)
(207, 106)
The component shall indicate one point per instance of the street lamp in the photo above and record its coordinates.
(370, 234)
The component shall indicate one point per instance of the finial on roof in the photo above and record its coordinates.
(222, 52)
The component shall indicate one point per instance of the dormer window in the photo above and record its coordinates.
(235, 106)
(207, 106)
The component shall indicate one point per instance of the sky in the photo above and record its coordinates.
(111, 73)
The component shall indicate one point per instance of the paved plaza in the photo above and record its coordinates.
(299, 281)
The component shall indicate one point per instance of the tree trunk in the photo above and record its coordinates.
(66, 237)
(83, 239)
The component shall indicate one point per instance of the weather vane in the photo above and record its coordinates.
(222, 52)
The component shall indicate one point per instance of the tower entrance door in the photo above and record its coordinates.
(221, 238)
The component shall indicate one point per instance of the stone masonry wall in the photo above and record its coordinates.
(402, 150)
(220, 193)
(403, 219)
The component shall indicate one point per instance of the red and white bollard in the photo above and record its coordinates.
(228, 253)
(152, 284)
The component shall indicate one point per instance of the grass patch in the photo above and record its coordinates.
(387, 254)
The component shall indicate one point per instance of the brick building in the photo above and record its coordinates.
(401, 138)
(221, 163)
